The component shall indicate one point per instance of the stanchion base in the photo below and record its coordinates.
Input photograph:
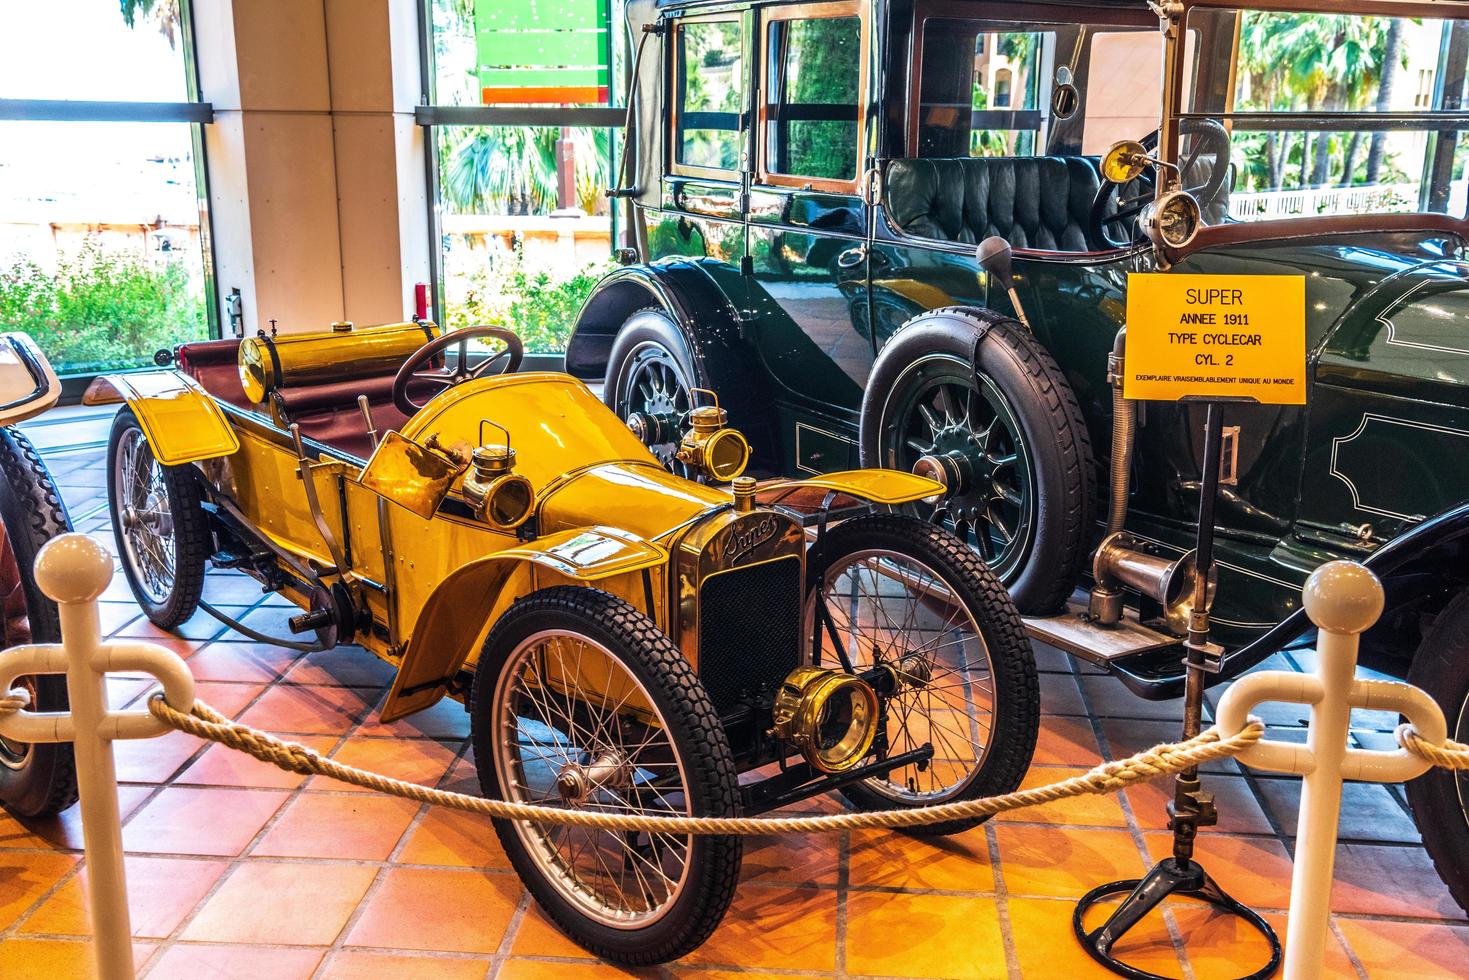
(1147, 893)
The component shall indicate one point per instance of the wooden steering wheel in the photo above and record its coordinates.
(411, 370)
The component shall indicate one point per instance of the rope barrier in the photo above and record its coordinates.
(1109, 777)
(1449, 755)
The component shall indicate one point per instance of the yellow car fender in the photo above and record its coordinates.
(180, 421)
(457, 611)
(886, 487)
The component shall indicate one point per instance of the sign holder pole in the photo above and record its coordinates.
(1192, 806)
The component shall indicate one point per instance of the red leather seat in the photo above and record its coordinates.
(215, 365)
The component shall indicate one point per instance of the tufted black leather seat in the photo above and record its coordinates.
(1033, 202)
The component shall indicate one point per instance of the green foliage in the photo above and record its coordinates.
(535, 304)
(102, 310)
(822, 68)
(512, 169)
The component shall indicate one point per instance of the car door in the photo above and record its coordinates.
(701, 214)
(808, 223)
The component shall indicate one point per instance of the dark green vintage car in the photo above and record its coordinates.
(881, 231)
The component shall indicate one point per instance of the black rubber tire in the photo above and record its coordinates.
(193, 542)
(1049, 417)
(678, 694)
(1012, 660)
(42, 782)
(648, 332)
(1440, 798)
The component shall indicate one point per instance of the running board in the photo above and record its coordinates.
(1073, 632)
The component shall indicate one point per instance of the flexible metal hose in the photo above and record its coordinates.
(1124, 425)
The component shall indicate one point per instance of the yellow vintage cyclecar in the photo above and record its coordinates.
(624, 639)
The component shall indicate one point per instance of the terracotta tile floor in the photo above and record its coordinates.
(238, 870)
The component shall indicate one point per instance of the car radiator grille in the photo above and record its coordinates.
(749, 629)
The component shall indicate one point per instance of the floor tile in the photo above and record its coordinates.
(153, 760)
(414, 760)
(451, 910)
(224, 766)
(348, 827)
(1239, 810)
(1050, 861)
(775, 927)
(1386, 879)
(561, 970)
(796, 859)
(1046, 945)
(1220, 947)
(1090, 810)
(957, 863)
(341, 667)
(255, 662)
(27, 876)
(1255, 870)
(309, 710)
(454, 839)
(188, 962)
(924, 936)
(218, 822)
(56, 959)
(1369, 813)
(445, 720)
(1407, 950)
(350, 964)
(161, 893)
(1110, 698)
(1066, 741)
(282, 903)
(1126, 737)
(1060, 695)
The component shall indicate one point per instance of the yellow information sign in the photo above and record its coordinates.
(1216, 337)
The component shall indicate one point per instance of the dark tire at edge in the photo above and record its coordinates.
(33, 513)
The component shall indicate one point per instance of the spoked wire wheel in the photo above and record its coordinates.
(654, 385)
(941, 409)
(159, 521)
(587, 706)
(909, 602)
(147, 522)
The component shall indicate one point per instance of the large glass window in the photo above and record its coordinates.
(710, 95)
(522, 159)
(812, 95)
(104, 253)
(1337, 113)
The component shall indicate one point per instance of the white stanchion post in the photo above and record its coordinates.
(73, 570)
(1343, 599)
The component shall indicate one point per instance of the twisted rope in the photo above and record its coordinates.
(16, 699)
(1449, 755)
(1109, 777)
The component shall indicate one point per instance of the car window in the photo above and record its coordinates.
(811, 116)
(709, 94)
(994, 88)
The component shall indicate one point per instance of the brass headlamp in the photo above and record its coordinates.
(831, 717)
(500, 497)
(710, 446)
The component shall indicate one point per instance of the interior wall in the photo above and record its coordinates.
(317, 190)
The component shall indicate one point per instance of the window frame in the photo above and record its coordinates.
(676, 75)
(194, 111)
(1018, 13)
(824, 10)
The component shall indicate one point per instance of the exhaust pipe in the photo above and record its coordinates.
(1121, 563)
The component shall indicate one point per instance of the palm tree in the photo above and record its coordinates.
(165, 14)
(512, 169)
